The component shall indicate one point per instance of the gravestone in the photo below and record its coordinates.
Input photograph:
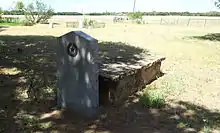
(77, 85)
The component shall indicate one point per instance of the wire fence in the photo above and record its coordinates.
(185, 21)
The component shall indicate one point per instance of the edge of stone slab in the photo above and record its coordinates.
(132, 71)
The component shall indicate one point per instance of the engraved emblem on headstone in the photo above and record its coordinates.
(72, 49)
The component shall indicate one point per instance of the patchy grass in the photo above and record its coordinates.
(152, 99)
(183, 125)
(12, 24)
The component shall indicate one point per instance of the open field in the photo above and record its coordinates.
(198, 21)
(191, 82)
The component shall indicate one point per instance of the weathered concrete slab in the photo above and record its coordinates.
(114, 70)
(125, 69)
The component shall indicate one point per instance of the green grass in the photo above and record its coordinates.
(154, 95)
(153, 99)
(12, 24)
(183, 125)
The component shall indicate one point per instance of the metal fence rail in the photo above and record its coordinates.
(185, 21)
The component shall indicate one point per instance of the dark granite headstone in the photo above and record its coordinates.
(77, 85)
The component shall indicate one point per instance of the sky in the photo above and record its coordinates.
(123, 5)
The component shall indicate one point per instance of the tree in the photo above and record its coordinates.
(19, 6)
(217, 3)
(1, 13)
(135, 15)
(35, 12)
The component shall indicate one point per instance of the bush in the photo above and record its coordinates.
(88, 22)
(139, 21)
(92, 23)
(68, 13)
(152, 99)
(1, 13)
(136, 15)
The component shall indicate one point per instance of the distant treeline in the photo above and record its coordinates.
(14, 12)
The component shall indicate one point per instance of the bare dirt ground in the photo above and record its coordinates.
(191, 82)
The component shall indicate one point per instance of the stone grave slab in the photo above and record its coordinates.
(124, 70)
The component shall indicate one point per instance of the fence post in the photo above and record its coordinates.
(177, 21)
(188, 22)
(161, 20)
(205, 22)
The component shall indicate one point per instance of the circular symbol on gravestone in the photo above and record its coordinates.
(72, 49)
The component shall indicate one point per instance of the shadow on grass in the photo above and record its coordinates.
(27, 60)
(133, 117)
(115, 56)
(2, 28)
(24, 59)
(210, 37)
(35, 56)
(119, 52)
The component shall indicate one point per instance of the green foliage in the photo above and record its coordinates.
(88, 22)
(41, 10)
(207, 129)
(11, 22)
(152, 99)
(1, 11)
(154, 13)
(19, 6)
(181, 14)
(68, 13)
(207, 126)
(30, 121)
(35, 12)
(136, 15)
(101, 13)
(138, 21)
(183, 125)
(217, 3)
(14, 12)
(93, 24)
